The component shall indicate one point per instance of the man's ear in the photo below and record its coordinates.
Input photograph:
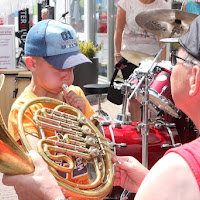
(30, 64)
(194, 80)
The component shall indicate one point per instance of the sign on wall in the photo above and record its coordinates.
(7, 47)
(23, 17)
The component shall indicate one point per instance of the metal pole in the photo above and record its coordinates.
(54, 9)
(90, 20)
(110, 32)
(145, 127)
(68, 16)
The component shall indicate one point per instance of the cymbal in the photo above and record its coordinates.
(165, 22)
(135, 57)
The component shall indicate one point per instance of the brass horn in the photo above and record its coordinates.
(75, 136)
(13, 159)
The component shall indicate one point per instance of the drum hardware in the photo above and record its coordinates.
(168, 146)
(145, 126)
(121, 145)
(160, 124)
(165, 23)
(125, 194)
(164, 89)
(139, 126)
(105, 123)
(124, 119)
(113, 144)
(125, 88)
(145, 76)
(117, 124)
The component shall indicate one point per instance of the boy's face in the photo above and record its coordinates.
(51, 79)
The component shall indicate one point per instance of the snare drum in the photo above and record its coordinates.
(160, 135)
(160, 90)
(160, 98)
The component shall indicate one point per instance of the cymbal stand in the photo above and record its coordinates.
(145, 102)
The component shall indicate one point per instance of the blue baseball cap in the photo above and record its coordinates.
(56, 42)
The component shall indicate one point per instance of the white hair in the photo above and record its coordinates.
(44, 11)
(190, 60)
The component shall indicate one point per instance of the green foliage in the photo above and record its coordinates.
(88, 48)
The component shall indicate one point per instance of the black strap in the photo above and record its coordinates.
(113, 77)
(121, 61)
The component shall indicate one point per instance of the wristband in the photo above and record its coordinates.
(60, 199)
(118, 55)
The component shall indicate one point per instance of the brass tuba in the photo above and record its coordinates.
(75, 136)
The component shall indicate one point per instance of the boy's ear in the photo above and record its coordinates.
(30, 63)
(195, 81)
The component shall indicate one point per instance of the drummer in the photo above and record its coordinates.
(129, 36)
(177, 174)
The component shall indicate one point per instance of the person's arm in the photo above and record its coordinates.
(170, 178)
(39, 185)
(129, 173)
(120, 24)
(75, 100)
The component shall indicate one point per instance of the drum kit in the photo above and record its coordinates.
(149, 139)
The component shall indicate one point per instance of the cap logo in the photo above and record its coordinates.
(66, 36)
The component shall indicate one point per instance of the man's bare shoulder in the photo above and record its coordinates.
(170, 178)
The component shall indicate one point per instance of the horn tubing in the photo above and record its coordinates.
(103, 182)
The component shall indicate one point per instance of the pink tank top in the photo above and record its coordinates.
(191, 153)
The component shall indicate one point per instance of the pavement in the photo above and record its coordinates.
(8, 193)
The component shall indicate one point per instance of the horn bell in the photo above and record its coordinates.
(13, 159)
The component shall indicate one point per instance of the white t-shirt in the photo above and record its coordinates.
(134, 37)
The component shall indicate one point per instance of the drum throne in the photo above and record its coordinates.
(98, 90)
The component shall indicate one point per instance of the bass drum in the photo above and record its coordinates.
(162, 136)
